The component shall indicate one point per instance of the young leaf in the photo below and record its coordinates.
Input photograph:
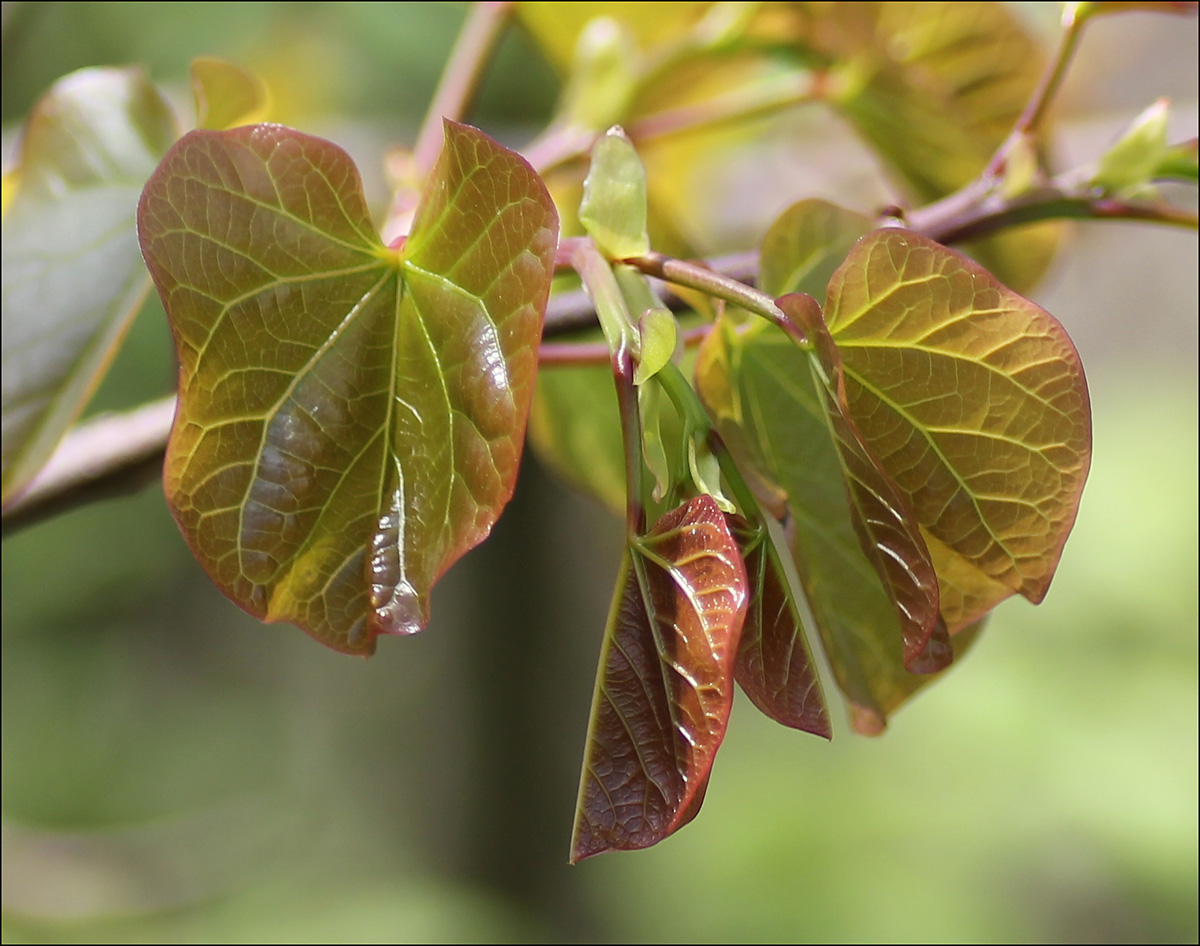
(974, 400)
(1131, 163)
(756, 384)
(350, 417)
(774, 666)
(665, 684)
(886, 526)
(73, 279)
(613, 209)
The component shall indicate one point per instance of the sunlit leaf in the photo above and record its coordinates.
(757, 384)
(226, 94)
(73, 278)
(974, 400)
(886, 526)
(665, 684)
(774, 665)
(351, 417)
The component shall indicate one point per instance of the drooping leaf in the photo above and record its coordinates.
(974, 400)
(757, 385)
(659, 336)
(774, 665)
(763, 400)
(226, 94)
(665, 683)
(73, 277)
(886, 526)
(351, 417)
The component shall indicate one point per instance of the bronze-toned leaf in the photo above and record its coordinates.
(665, 684)
(974, 399)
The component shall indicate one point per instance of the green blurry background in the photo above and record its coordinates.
(173, 771)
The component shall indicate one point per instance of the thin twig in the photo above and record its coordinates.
(480, 32)
(109, 455)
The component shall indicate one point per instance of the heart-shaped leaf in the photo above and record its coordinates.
(350, 417)
(73, 277)
(665, 684)
(974, 399)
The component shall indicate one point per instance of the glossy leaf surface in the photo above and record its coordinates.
(886, 526)
(757, 384)
(774, 665)
(351, 417)
(665, 684)
(974, 400)
(73, 276)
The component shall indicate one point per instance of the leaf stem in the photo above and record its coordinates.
(695, 276)
(582, 354)
(468, 59)
(1074, 17)
(631, 436)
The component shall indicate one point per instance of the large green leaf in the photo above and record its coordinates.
(757, 384)
(974, 400)
(665, 684)
(351, 417)
(73, 278)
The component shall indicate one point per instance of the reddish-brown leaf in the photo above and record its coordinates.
(665, 683)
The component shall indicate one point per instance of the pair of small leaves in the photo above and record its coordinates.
(350, 417)
(690, 615)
